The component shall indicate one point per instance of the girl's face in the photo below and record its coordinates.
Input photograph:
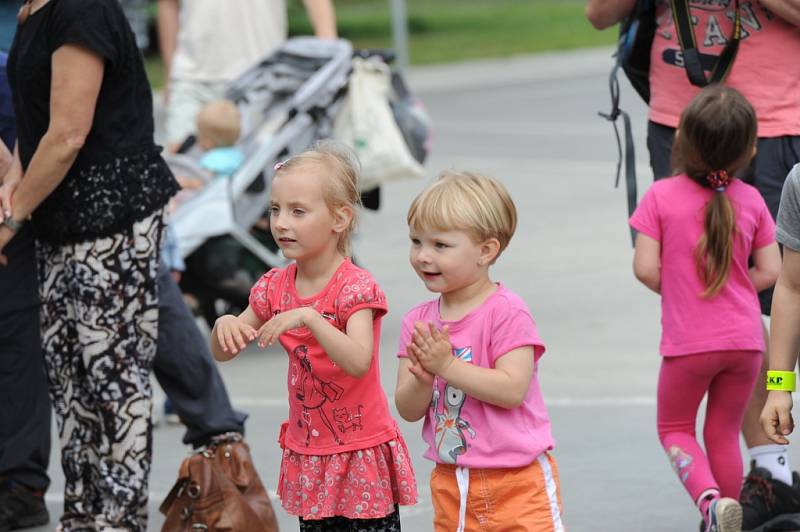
(447, 261)
(301, 223)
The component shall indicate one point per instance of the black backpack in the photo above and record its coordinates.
(636, 33)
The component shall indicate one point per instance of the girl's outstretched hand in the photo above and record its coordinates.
(776, 418)
(269, 333)
(432, 347)
(415, 368)
(233, 334)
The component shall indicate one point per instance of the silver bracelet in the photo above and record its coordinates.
(12, 224)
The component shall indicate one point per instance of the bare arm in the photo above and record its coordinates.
(412, 395)
(505, 385)
(766, 266)
(323, 17)
(76, 78)
(6, 160)
(788, 10)
(9, 183)
(647, 262)
(350, 350)
(167, 21)
(776, 417)
(605, 13)
(785, 322)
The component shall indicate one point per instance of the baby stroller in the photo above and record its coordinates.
(287, 102)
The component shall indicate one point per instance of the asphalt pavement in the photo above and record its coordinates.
(532, 122)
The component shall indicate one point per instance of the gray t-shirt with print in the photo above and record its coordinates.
(788, 232)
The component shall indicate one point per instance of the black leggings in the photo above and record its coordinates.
(389, 523)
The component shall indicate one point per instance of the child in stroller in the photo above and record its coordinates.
(218, 131)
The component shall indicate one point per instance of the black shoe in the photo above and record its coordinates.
(20, 507)
(769, 505)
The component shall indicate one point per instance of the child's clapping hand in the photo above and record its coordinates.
(233, 334)
(430, 351)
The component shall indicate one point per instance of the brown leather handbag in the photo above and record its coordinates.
(218, 489)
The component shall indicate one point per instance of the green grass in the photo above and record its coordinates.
(455, 30)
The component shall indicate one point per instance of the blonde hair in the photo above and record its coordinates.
(465, 201)
(341, 176)
(219, 121)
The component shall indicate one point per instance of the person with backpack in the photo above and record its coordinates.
(770, 80)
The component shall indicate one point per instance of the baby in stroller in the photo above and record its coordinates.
(218, 131)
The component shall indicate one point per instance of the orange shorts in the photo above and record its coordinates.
(509, 500)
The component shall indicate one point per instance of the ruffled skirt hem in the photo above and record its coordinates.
(361, 484)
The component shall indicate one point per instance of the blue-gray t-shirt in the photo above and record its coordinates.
(788, 221)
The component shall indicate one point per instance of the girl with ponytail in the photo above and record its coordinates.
(697, 232)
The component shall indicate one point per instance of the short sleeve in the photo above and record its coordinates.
(514, 328)
(259, 295)
(765, 232)
(360, 291)
(788, 232)
(90, 24)
(645, 218)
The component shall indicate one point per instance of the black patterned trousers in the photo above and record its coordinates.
(99, 332)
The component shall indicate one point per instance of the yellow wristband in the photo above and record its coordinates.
(781, 380)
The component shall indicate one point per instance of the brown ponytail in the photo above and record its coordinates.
(715, 138)
(714, 251)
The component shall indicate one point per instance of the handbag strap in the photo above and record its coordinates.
(682, 16)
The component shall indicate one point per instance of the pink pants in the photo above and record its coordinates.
(728, 377)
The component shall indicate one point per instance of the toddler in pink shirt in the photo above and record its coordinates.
(469, 364)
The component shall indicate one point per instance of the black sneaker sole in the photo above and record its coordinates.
(780, 523)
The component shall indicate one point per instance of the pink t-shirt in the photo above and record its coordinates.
(766, 69)
(672, 212)
(467, 432)
(329, 411)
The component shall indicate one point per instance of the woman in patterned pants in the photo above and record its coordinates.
(88, 175)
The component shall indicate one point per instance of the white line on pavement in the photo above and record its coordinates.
(566, 402)
(423, 505)
(546, 129)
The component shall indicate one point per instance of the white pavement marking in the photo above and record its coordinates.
(606, 167)
(423, 505)
(561, 402)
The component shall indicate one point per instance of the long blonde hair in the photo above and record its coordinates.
(342, 170)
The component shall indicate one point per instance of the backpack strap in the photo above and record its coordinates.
(629, 155)
(682, 17)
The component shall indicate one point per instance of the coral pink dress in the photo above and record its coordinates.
(343, 454)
